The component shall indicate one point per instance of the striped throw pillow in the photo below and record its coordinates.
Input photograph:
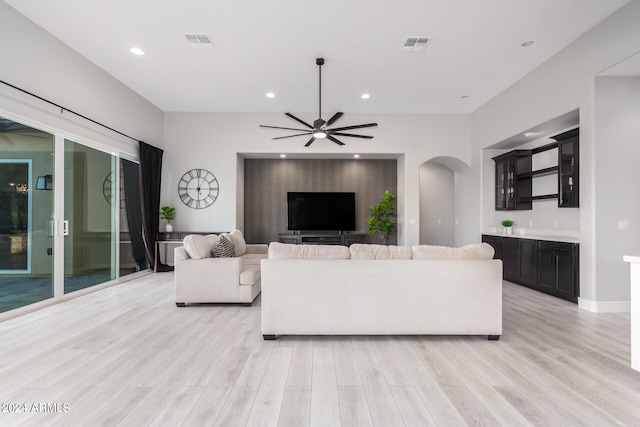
(223, 248)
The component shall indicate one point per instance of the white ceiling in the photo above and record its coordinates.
(263, 46)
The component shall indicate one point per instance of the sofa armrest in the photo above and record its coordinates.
(257, 249)
(180, 253)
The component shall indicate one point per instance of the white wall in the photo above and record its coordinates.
(617, 125)
(212, 141)
(437, 205)
(35, 61)
(563, 84)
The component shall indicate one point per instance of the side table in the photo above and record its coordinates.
(173, 238)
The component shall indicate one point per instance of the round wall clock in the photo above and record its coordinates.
(198, 188)
(107, 187)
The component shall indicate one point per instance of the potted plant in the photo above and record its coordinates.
(507, 226)
(168, 213)
(380, 221)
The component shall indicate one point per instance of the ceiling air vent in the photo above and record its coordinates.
(415, 44)
(199, 40)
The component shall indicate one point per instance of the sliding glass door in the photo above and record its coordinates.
(26, 213)
(70, 217)
(90, 203)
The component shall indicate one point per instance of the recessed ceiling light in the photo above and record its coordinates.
(271, 95)
(356, 156)
(137, 51)
(282, 156)
(528, 134)
(527, 43)
(365, 96)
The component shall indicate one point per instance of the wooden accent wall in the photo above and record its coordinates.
(267, 182)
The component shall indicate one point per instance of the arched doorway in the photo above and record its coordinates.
(437, 200)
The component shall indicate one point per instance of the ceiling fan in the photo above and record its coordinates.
(320, 128)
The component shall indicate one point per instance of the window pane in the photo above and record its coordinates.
(89, 207)
(26, 209)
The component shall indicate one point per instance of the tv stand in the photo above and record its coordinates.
(303, 238)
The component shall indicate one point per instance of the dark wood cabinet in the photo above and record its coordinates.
(568, 176)
(512, 190)
(558, 269)
(496, 243)
(514, 175)
(550, 267)
(520, 260)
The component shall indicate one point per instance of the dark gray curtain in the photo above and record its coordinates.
(133, 210)
(150, 177)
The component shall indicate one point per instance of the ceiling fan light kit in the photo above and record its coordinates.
(320, 128)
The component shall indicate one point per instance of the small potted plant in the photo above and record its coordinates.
(168, 213)
(507, 225)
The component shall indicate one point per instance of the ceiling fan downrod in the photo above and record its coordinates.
(320, 63)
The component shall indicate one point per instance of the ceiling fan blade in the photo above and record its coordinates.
(310, 141)
(279, 127)
(299, 120)
(353, 135)
(291, 136)
(334, 118)
(337, 141)
(368, 125)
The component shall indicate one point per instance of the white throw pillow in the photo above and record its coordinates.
(198, 246)
(238, 241)
(363, 251)
(288, 251)
(472, 251)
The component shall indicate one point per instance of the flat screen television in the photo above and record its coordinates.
(321, 211)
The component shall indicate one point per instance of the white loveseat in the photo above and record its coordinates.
(201, 278)
(381, 290)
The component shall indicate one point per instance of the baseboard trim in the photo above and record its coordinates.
(604, 306)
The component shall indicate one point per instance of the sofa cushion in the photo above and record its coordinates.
(198, 246)
(288, 251)
(362, 251)
(252, 259)
(238, 241)
(223, 248)
(250, 276)
(472, 251)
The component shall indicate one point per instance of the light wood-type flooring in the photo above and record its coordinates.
(128, 356)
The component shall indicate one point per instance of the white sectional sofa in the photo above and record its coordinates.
(381, 290)
(199, 277)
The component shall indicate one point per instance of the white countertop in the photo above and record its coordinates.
(565, 236)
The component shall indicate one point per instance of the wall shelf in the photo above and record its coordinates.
(542, 197)
(540, 172)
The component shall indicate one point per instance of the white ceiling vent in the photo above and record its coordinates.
(415, 44)
(199, 40)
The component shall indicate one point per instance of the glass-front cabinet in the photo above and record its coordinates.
(568, 176)
(513, 192)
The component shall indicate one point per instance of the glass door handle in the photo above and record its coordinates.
(56, 228)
